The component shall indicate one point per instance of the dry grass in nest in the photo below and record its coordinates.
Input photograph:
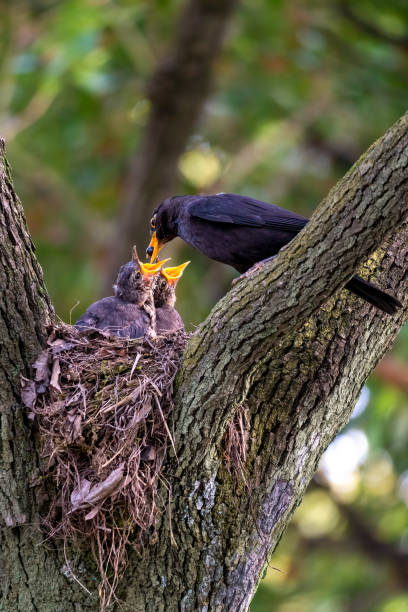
(235, 443)
(102, 406)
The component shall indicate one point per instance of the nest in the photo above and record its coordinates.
(102, 406)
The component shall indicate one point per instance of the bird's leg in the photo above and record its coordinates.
(252, 269)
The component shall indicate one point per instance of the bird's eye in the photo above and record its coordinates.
(163, 283)
(137, 275)
(153, 222)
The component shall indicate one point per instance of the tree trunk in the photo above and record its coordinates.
(277, 346)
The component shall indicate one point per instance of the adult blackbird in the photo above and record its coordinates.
(164, 294)
(240, 231)
(130, 312)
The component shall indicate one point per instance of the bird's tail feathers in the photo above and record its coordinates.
(372, 294)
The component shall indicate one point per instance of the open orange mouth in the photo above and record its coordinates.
(173, 274)
(149, 269)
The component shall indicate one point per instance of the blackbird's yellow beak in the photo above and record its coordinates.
(173, 274)
(154, 247)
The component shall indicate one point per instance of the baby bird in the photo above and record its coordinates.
(130, 313)
(164, 293)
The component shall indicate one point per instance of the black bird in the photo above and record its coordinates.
(164, 294)
(240, 231)
(130, 313)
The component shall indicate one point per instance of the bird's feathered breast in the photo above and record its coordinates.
(168, 319)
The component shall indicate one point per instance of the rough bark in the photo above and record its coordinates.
(279, 344)
(177, 93)
(299, 396)
(25, 312)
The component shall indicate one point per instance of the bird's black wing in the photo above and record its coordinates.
(240, 210)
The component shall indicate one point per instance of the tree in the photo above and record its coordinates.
(284, 343)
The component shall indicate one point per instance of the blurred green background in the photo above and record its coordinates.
(301, 88)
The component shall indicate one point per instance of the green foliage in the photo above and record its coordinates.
(300, 91)
(296, 90)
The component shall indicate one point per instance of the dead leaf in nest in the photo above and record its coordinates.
(28, 392)
(73, 425)
(60, 345)
(142, 413)
(85, 496)
(42, 371)
(80, 493)
(113, 482)
(56, 371)
(92, 513)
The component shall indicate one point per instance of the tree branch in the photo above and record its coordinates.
(298, 398)
(373, 546)
(363, 537)
(299, 370)
(254, 317)
(370, 28)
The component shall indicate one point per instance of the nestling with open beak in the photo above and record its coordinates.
(164, 293)
(130, 312)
